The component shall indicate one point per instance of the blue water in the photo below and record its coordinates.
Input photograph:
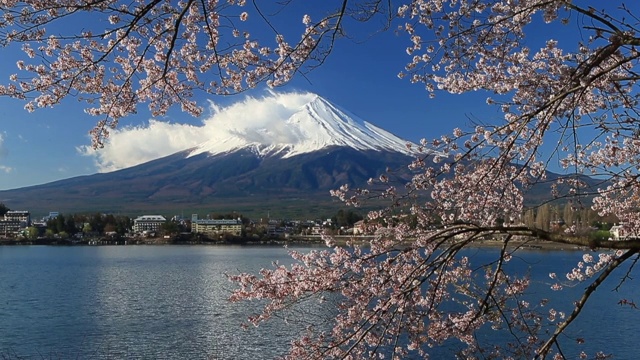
(169, 302)
(130, 302)
(603, 324)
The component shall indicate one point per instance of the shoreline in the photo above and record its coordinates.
(294, 241)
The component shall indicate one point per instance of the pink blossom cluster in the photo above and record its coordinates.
(470, 184)
(392, 287)
(155, 52)
(589, 267)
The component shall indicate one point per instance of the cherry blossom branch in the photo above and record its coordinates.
(544, 350)
(627, 275)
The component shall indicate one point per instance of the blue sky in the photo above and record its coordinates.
(360, 76)
(43, 146)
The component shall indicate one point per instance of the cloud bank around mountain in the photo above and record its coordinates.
(260, 118)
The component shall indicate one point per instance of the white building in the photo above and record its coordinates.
(22, 216)
(621, 232)
(14, 222)
(148, 223)
(358, 227)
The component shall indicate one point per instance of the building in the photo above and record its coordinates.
(212, 228)
(359, 227)
(148, 223)
(9, 228)
(14, 222)
(52, 215)
(621, 232)
(22, 216)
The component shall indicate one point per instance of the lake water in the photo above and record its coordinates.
(169, 302)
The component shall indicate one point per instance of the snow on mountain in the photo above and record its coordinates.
(309, 127)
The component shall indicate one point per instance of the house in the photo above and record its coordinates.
(148, 223)
(359, 227)
(317, 230)
(211, 228)
(621, 232)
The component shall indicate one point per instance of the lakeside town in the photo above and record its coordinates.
(18, 227)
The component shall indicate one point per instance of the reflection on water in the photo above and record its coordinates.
(130, 302)
(169, 302)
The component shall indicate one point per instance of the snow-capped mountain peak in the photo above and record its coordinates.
(298, 128)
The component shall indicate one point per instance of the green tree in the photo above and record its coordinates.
(97, 222)
(33, 232)
(110, 228)
(59, 223)
(346, 218)
(529, 218)
(568, 214)
(543, 217)
(70, 225)
(3, 209)
(123, 224)
(169, 228)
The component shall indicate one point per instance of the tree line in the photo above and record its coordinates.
(69, 225)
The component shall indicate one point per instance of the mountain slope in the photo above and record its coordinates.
(295, 156)
(204, 182)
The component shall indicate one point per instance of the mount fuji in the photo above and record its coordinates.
(286, 167)
(316, 125)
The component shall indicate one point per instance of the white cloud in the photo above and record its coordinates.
(260, 119)
(131, 146)
(6, 169)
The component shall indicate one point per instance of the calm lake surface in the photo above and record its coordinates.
(170, 302)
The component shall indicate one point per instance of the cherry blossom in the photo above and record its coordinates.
(156, 52)
(472, 185)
